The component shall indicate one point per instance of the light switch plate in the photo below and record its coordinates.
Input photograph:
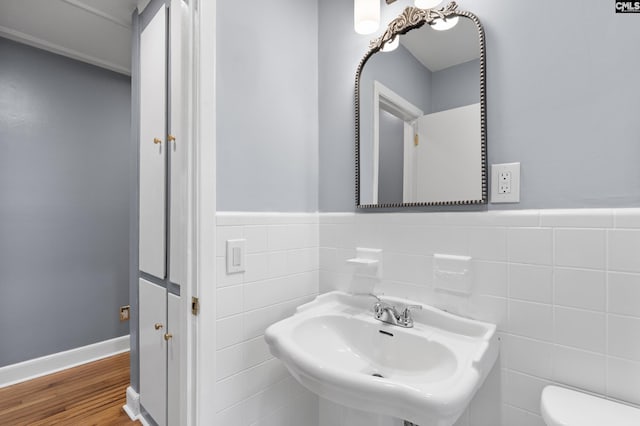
(505, 183)
(235, 256)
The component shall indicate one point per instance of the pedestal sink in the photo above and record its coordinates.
(427, 374)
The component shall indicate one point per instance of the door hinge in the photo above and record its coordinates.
(195, 305)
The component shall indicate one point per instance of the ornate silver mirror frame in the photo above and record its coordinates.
(410, 19)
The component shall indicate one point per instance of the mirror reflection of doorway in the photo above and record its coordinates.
(393, 121)
(390, 180)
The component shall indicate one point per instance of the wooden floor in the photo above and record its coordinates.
(91, 394)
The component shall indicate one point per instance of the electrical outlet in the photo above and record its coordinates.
(505, 183)
(124, 313)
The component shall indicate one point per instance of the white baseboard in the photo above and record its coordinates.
(132, 407)
(27, 370)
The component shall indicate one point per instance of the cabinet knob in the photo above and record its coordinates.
(168, 336)
(157, 140)
(171, 138)
(158, 326)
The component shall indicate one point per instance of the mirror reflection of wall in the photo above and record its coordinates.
(390, 176)
(431, 72)
(456, 86)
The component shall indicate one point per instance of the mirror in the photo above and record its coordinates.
(421, 113)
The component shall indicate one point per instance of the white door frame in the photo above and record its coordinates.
(198, 349)
(201, 372)
(409, 167)
(387, 100)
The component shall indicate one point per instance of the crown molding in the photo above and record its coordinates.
(80, 5)
(55, 48)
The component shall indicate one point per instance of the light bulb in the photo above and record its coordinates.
(427, 4)
(391, 45)
(445, 24)
(366, 16)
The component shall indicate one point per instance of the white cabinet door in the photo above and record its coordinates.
(178, 59)
(153, 350)
(173, 361)
(153, 146)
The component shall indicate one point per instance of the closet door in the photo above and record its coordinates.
(153, 350)
(153, 146)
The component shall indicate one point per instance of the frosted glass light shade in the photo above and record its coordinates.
(445, 24)
(391, 45)
(366, 16)
(427, 4)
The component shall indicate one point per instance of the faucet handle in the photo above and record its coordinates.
(406, 313)
(407, 308)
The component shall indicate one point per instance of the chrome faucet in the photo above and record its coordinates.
(387, 313)
(390, 314)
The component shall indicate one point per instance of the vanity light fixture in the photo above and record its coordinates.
(443, 24)
(427, 4)
(366, 16)
(391, 45)
(422, 4)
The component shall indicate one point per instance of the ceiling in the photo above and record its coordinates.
(93, 31)
(438, 50)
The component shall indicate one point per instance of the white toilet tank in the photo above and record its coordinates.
(564, 407)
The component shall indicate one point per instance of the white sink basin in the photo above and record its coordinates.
(429, 373)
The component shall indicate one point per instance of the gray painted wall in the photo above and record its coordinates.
(456, 86)
(267, 105)
(64, 203)
(562, 100)
(391, 161)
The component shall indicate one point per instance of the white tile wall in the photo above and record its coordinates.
(624, 294)
(282, 262)
(590, 285)
(580, 248)
(624, 246)
(531, 283)
(562, 285)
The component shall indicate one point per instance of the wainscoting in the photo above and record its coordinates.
(563, 286)
(281, 273)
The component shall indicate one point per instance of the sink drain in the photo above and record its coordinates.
(378, 375)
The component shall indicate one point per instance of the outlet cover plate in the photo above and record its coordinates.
(513, 195)
(125, 313)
